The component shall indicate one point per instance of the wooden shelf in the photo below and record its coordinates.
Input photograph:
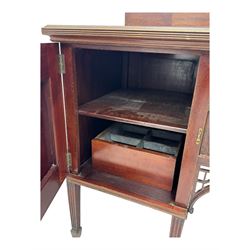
(121, 187)
(150, 108)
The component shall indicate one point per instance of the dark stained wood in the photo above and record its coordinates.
(167, 19)
(197, 121)
(98, 62)
(49, 187)
(121, 187)
(125, 69)
(57, 110)
(48, 156)
(88, 129)
(158, 109)
(144, 166)
(74, 206)
(71, 104)
(162, 72)
(176, 227)
(98, 73)
(155, 50)
(53, 148)
(53, 168)
(167, 38)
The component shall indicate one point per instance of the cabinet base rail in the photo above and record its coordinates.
(143, 194)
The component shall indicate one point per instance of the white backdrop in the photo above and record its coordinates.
(220, 218)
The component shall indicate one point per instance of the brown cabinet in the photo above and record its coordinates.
(129, 108)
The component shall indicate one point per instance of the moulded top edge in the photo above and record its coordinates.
(49, 28)
(172, 38)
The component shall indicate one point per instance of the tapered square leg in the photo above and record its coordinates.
(176, 227)
(74, 206)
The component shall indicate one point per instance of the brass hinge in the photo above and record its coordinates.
(61, 64)
(69, 160)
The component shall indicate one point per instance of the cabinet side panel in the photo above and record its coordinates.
(98, 73)
(196, 125)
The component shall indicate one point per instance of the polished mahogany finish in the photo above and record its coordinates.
(197, 122)
(70, 92)
(155, 77)
(132, 38)
(122, 187)
(176, 226)
(157, 109)
(49, 186)
(97, 73)
(48, 156)
(74, 206)
(137, 153)
(53, 140)
(155, 169)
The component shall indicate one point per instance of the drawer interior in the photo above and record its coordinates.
(141, 137)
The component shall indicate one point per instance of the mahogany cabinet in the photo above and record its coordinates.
(114, 99)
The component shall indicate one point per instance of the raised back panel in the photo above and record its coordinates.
(167, 19)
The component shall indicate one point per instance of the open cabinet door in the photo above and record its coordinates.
(53, 137)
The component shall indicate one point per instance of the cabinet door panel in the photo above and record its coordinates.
(53, 140)
(195, 135)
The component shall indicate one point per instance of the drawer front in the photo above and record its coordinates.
(137, 164)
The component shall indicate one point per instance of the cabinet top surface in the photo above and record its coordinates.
(146, 37)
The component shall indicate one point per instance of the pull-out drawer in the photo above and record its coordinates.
(141, 154)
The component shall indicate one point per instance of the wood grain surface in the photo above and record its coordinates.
(157, 109)
(127, 189)
(168, 38)
(180, 19)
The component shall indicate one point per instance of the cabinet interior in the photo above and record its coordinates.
(144, 89)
